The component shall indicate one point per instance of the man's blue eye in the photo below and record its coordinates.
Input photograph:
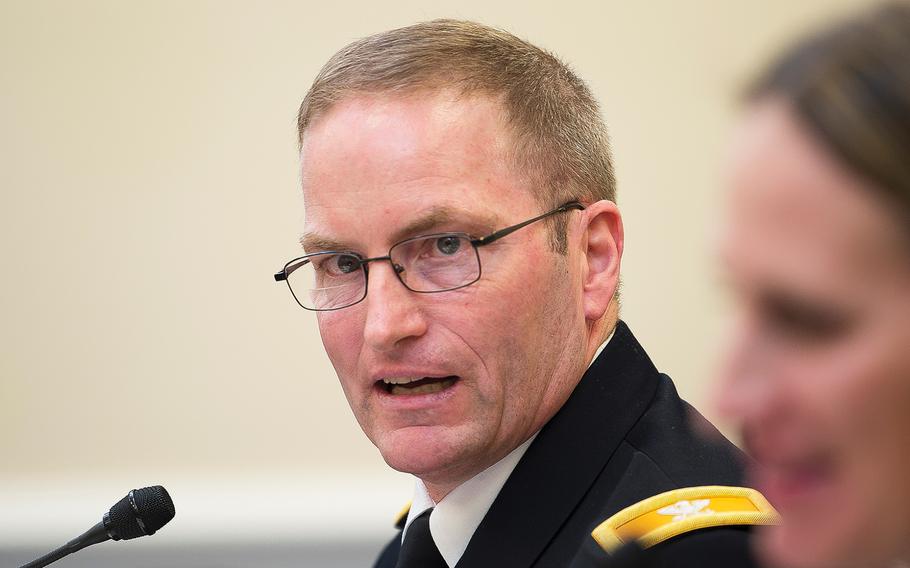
(347, 263)
(448, 245)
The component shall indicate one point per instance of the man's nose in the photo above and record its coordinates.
(393, 311)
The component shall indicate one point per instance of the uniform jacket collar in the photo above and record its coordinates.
(569, 453)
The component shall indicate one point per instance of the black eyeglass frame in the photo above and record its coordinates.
(283, 275)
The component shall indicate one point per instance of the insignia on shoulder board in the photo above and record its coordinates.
(675, 512)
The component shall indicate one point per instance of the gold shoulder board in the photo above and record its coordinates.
(675, 512)
(402, 515)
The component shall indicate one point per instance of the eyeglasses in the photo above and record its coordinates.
(440, 262)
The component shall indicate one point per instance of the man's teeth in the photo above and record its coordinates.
(411, 386)
(400, 380)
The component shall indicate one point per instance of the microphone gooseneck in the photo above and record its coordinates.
(142, 512)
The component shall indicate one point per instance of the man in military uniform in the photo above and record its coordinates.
(462, 252)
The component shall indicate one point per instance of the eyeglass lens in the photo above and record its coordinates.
(434, 263)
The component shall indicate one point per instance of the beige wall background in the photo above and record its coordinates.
(149, 191)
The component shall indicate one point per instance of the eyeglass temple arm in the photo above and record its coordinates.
(284, 273)
(288, 269)
(509, 230)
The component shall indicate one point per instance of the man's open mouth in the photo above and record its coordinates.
(411, 386)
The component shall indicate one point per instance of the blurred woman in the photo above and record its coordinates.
(817, 253)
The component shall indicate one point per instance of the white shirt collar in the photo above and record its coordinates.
(457, 516)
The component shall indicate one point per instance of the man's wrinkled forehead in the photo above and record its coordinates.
(400, 166)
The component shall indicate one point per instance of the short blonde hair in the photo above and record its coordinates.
(560, 140)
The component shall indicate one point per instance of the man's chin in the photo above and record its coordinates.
(425, 452)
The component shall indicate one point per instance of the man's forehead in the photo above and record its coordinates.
(394, 168)
(434, 123)
(412, 99)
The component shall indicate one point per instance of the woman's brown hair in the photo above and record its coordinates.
(851, 85)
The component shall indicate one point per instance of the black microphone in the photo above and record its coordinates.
(142, 512)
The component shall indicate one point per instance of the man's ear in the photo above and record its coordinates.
(603, 232)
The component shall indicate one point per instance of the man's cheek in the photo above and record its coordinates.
(341, 342)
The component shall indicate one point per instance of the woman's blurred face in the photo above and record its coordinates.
(818, 373)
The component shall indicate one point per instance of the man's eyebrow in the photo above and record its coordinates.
(442, 215)
(311, 242)
(435, 217)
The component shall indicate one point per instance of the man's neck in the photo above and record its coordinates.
(438, 488)
(441, 485)
(600, 330)
(438, 492)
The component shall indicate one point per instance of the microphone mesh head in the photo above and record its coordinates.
(154, 506)
(142, 512)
